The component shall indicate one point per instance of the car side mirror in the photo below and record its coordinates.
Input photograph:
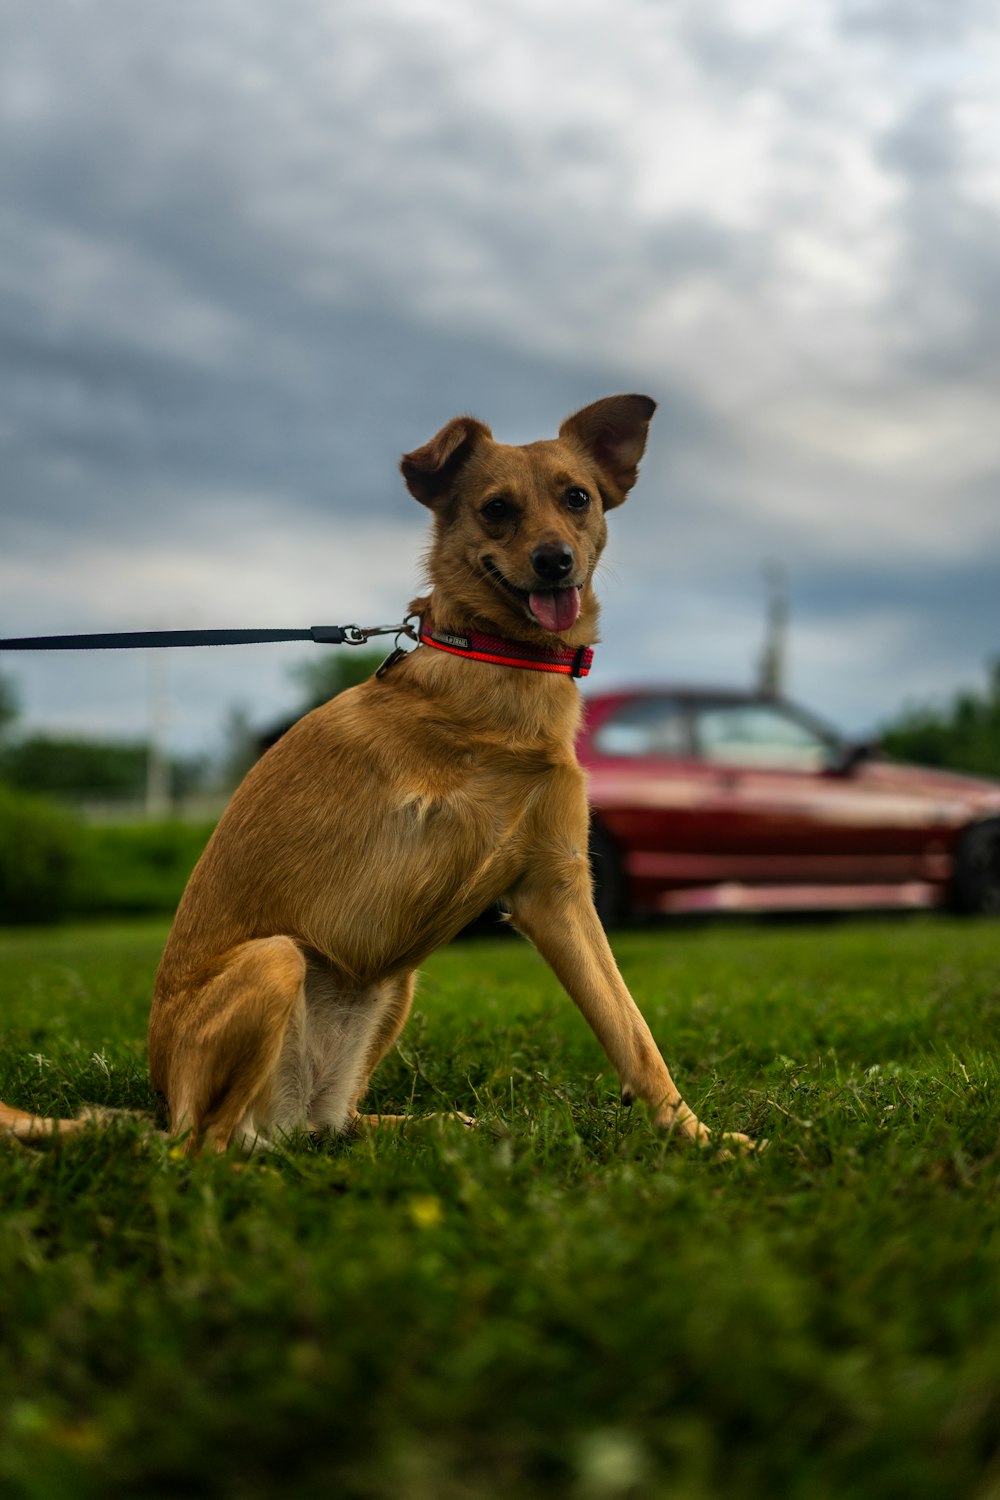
(850, 755)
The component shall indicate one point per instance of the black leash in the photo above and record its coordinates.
(130, 640)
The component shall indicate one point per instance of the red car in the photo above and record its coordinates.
(707, 800)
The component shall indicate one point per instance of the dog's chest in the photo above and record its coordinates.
(485, 802)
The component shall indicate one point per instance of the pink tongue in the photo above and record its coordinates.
(557, 610)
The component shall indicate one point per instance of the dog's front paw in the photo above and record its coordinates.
(452, 1117)
(727, 1146)
(732, 1143)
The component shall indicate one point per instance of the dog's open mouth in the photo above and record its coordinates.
(554, 610)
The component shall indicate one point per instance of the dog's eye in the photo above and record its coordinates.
(495, 510)
(577, 499)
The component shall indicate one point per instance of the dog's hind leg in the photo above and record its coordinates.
(396, 999)
(344, 1039)
(214, 1050)
(345, 1035)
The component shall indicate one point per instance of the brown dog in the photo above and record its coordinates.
(386, 820)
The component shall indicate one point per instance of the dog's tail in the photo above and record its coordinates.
(38, 1129)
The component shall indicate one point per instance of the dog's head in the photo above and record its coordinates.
(518, 532)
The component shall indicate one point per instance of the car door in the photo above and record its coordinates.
(657, 798)
(783, 806)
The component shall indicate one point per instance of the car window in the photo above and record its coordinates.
(759, 735)
(646, 726)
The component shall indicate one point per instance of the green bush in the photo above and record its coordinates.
(53, 867)
(39, 859)
(130, 869)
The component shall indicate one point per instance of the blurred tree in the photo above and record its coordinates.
(963, 736)
(73, 767)
(8, 703)
(322, 679)
(76, 769)
(335, 671)
(241, 747)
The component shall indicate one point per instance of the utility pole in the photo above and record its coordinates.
(771, 665)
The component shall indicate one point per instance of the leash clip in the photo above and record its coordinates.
(397, 655)
(359, 635)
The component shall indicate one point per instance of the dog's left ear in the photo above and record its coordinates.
(430, 471)
(613, 433)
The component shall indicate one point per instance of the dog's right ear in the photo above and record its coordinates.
(430, 471)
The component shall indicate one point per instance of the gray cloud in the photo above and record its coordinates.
(948, 299)
(916, 23)
(252, 254)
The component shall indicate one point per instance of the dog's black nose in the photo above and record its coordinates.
(552, 561)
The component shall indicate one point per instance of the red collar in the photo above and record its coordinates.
(572, 661)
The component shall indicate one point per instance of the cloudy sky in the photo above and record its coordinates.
(252, 252)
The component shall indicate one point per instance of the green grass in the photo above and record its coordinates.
(561, 1303)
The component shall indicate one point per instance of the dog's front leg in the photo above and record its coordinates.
(556, 911)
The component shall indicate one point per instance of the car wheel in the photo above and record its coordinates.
(977, 870)
(609, 878)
